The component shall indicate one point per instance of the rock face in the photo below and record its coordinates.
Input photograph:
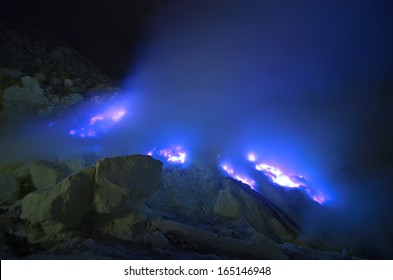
(238, 201)
(41, 75)
(185, 236)
(189, 192)
(291, 201)
(227, 205)
(115, 185)
(9, 187)
(100, 211)
(136, 177)
(45, 173)
(261, 246)
(67, 203)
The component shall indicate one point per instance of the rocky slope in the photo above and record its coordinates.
(41, 75)
(126, 207)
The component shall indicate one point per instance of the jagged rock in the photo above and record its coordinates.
(68, 83)
(45, 173)
(196, 239)
(29, 92)
(29, 98)
(9, 187)
(37, 57)
(55, 81)
(80, 162)
(200, 240)
(227, 205)
(306, 253)
(62, 206)
(122, 181)
(32, 84)
(237, 200)
(189, 192)
(21, 173)
(264, 248)
(5, 251)
(72, 99)
(10, 73)
(40, 77)
(157, 239)
(17, 205)
(131, 225)
(294, 202)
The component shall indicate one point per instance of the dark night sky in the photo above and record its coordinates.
(311, 81)
(106, 32)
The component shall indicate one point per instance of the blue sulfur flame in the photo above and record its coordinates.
(276, 176)
(172, 155)
(99, 123)
(237, 176)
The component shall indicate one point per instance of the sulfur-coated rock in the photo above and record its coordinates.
(130, 225)
(125, 180)
(45, 173)
(200, 240)
(294, 202)
(157, 239)
(227, 205)
(9, 187)
(190, 192)
(237, 200)
(264, 248)
(67, 203)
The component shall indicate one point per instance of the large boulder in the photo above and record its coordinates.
(9, 187)
(45, 173)
(66, 204)
(125, 180)
(190, 192)
(29, 96)
(131, 225)
(20, 177)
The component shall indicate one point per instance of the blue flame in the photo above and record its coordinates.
(99, 123)
(237, 176)
(172, 154)
(276, 175)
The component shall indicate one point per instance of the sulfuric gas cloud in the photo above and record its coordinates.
(305, 85)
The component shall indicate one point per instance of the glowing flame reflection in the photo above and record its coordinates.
(175, 155)
(277, 176)
(231, 172)
(99, 123)
(288, 181)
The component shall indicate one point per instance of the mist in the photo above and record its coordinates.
(304, 85)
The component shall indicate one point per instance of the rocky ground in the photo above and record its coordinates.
(129, 207)
(41, 75)
(125, 207)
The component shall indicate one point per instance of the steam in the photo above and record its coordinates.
(304, 85)
(300, 84)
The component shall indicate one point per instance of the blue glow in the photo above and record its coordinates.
(276, 176)
(238, 176)
(99, 123)
(172, 155)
